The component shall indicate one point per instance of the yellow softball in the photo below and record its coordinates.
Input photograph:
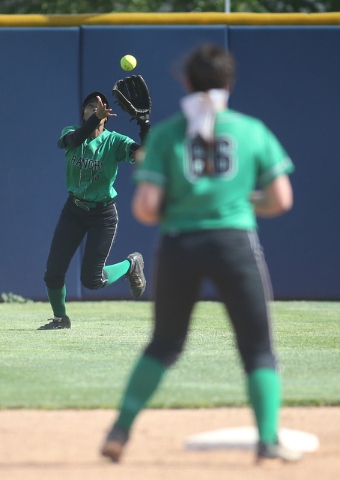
(128, 62)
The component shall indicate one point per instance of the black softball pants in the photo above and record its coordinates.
(100, 225)
(233, 261)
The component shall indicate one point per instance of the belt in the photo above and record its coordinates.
(86, 205)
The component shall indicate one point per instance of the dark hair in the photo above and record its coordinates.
(209, 66)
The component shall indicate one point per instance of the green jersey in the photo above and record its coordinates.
(92, 167)
(246, 154)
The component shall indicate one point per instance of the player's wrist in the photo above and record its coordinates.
(100, 116)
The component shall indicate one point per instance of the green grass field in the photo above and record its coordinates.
(87, 366)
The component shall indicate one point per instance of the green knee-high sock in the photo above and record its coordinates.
(57, 300)
(143, 382)
(264, 395)
(116, 271)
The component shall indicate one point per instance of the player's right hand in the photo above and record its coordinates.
(103, 112)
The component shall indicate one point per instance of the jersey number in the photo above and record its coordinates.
(216, 159)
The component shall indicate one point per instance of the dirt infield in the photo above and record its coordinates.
(63, 445)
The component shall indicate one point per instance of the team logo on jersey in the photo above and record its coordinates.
(87, 163)
(217, 158)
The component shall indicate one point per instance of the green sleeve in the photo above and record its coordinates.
(273, 160)
(122, 150)
(152, 168)
(66, 130)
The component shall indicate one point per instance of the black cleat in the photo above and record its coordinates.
(136, 275)
(57, 323)
(269, 451)
(114, 444)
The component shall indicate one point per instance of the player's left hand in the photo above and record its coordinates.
(103, 112)
(133, 97)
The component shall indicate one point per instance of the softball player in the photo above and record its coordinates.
(92, 155)
(197, 178)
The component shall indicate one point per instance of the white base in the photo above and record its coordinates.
(246, 438)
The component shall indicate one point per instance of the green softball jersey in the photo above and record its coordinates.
(246, 155)
(92, 167)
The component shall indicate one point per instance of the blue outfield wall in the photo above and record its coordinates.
(287, 76)
(39, 85)
(290, 77)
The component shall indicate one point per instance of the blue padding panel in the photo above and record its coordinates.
(39, 82)
(289, 77)
(158, 51)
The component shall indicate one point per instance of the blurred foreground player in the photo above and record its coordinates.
(197, 181)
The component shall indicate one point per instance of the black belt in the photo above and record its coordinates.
(87, 205)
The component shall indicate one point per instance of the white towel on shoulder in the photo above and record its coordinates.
(199, 108)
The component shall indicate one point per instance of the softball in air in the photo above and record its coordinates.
(128, 62)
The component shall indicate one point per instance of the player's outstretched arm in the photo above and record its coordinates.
(78, 136)
(275, 199)
(132, 95)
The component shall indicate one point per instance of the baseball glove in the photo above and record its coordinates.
(133, 97)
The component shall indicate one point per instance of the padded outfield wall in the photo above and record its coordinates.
(288, 76)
